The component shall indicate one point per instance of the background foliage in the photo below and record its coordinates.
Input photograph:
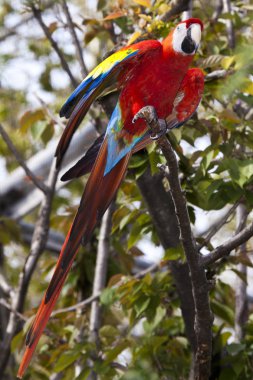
(142, 332)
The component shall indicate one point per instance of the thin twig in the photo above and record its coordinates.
(224, 249)
(52, 116)
(64, 63)
(119, 366)
(78, 306)
(13, 30)
(203, 316)
(5, 287)
(217, 226)
(39, 184)
(4, 303)
(75, 40)
(83, 304)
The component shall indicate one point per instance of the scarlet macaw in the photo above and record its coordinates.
(146, 73)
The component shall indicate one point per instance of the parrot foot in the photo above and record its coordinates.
(149, 114)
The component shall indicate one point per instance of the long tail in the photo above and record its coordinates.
(97, 196)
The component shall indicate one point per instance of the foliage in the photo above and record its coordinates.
(142, 326)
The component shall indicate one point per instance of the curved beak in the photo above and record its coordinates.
(192, 39)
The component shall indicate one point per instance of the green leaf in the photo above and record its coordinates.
(174, 253)
(17, 341)
(115, 351)
(239, 170)
(47, 133)
(141, 305)
(228, 373)
(66, 360)
(38, 128)
(235, 348)
(108, 296)
(223, 311)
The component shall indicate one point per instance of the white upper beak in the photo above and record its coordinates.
(196, 33)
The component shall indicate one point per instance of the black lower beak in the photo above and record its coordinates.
(188, 45)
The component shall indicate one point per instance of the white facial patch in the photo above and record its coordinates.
(178, 36)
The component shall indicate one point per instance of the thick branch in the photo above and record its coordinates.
(162, 211)
(241, 302)
(203, 316)
(100, 271)
(179, 7)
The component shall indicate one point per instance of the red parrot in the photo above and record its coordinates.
(146, 73)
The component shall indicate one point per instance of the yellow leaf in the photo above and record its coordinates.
(249, 89)
(29, 118)
(144, 3)
(52, 27)
(145, 17)
(227, 62)
(114, 15)
(133, 38)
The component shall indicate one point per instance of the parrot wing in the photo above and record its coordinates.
(116, 68)
(185, 104)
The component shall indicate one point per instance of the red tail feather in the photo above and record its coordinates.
(98, 194)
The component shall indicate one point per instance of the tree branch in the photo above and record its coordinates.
(75, 40)
(4, 303)
(64, 63)
(178, 7)
(162, 211)
(224, 249)
(229, 24)
(39, 184)
(100, 272)
(241, 302)
(200, 288)
(83, 304)
(37, 247)
(5, 287)
(218, 225)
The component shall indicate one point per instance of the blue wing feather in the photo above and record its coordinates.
(92, 81)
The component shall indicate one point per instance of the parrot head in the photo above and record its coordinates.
(186, 36)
